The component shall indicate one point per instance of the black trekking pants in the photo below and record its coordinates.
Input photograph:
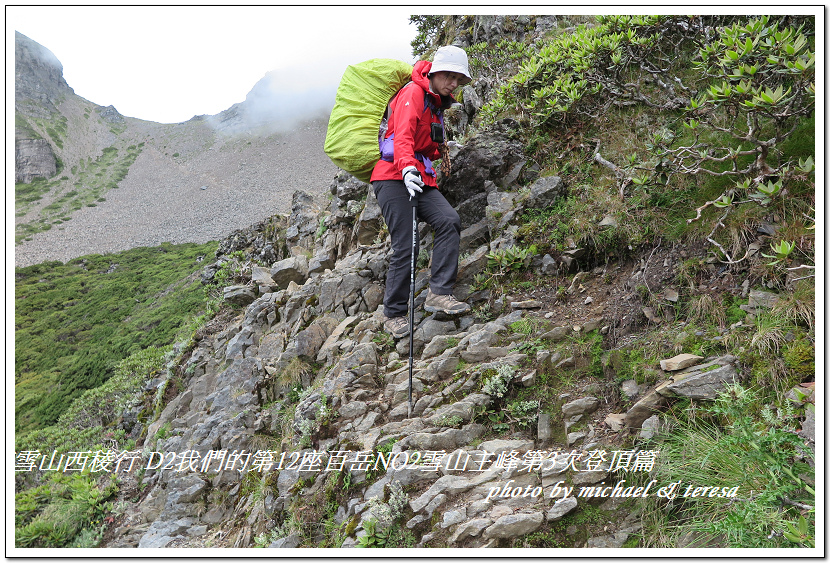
(433, 209)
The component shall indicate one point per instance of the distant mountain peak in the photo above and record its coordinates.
(39, 81)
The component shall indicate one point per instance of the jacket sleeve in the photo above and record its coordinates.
(406, 118)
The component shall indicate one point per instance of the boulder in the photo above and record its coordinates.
(470, 529)
(549, 266)
(474, 236)
(515, 525)
(239, 294)
(545, 191)
(369, 224)
(560, 509)
(497, 447)
(679, 362)
(651, 403)
(291, 269)
(704, 381)
(346, 187)
(615, 422)
(472, 265)
(261, 276)
(585, 405)
(488, 156)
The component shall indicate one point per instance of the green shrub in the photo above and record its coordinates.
(76, 321)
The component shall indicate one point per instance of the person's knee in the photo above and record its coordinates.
(449, 222)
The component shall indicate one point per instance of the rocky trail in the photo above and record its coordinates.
(307, 393)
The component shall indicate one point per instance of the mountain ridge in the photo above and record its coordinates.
(185, 182)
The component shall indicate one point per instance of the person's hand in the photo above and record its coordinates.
(412, 180)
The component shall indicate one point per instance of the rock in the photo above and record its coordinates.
(651, 403)
(291, 269)
(261, 276)
(704, 381)
(308, 342)
(529, 380)
(362, 360)
(561, 509)
(440, 369)
(239, 295)
(608, 221)
(514, 525)
(615, 422)
(352, 409)
(447, 440)
(290, 541)
(615, 541)
(651, 426)
(585, 405)
(588, 477)
(500, 210)
(808, 427)
(762, 299)
(438, 344)
(462, 409)
(369, 224)
(497, 447)
(649, 314)
(488, 157)
(574, 437)
(472, 265)
(429, 329)
(557, 334)
(670, 294)
(529, 304)
(550, 267)
(544, 431)
(400, 412)
(630, 388)
(415, 520)
(499, 511)
(545, 191)
(568, 362)
(33, 159)
(474, 236)
(679, 362)
(470, 529)
(346, 187)
(320, 262)
(407, 474)
(800, 395)
(453, 517)
(377, 489)
(479, 344)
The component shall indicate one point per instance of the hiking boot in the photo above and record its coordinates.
(446, 304)
(398, 327)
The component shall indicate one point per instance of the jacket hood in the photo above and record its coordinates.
(420, 76)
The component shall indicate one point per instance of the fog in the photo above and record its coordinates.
(285, 97)
(170, 63)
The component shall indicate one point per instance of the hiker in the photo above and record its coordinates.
(415, 131)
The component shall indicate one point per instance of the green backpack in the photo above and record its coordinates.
(361, 100)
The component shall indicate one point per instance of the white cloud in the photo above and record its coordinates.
(167, 64)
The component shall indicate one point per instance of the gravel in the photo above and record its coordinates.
(203, 196)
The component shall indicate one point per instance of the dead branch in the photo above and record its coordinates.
(625, 180)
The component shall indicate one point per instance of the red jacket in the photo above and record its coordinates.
(410, 122)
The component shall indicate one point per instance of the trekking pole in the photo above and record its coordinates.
(412, 296)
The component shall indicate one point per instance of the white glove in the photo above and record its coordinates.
(412, 180)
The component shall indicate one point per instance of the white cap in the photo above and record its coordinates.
(451, 59)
